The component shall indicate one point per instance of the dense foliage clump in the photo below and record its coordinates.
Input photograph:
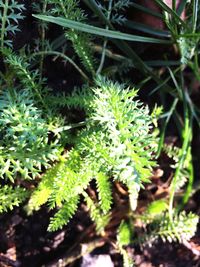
(51, 158)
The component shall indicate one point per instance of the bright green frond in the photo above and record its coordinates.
(28, 79)
(41, 195)
(11, 197)
(80, 41)
(104, 191)
(183, 227)
(127, 128)
(124, 237)
(71, 180)
(174, 153)
(63, 216)
(96, 215)
(10, 15)
(24, 142)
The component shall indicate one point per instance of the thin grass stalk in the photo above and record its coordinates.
(125, 48)
(195, 15)
(105, 41)
(162, 136)
(186, 144)
(59, 54)
(189, 188)
(187, 137)
(43, 33)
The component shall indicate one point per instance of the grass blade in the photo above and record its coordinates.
(99, 31)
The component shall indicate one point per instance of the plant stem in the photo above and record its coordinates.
(42, 39)
(33, 85)
(105, 41)
(4, 16)
(59, 54)
(195, 15)
(174, 5)
(80, 251)
(183, 154)
(170, 112)
(188, 192)
(69, 127)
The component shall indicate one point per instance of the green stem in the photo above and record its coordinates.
(170, 112)
(105, 41)
(33, 85)
(59, 54)
(190, 182)
(75, 37)
(3, 25)
(69, 127)
(42, 39)
(195, 15)
(174, 5)
(183, 154)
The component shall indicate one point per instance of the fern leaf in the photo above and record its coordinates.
(25, 145)
(77, 99)
(174, 153)
(124, 237)
(155, 209)
(11, 197)
(117, 142)
(121, 4)
(183, 227)
(41, 195)
(104, 190)
(80, 43)
(70, 10)
(71, 180)
(100, 220)
(27, 78)
(10, 15)
(63, 184)
(63, 216)
(127, 126)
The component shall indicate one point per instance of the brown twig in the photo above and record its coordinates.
(77, 253)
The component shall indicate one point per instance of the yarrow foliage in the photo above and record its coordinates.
(10, 197)
(181, 228)
(24, 143)
(10, 14)
(117, 144)
(114, 146)
(70, 10)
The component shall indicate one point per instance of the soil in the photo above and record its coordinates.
(25, 241)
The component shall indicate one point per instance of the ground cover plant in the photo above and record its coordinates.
(98, 132)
